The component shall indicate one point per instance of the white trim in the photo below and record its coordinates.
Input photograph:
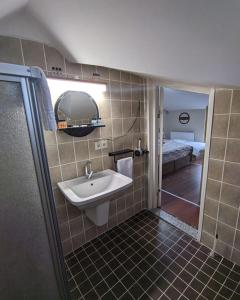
(207, 148)
(160, 126)
(206, 161)
(152, 143)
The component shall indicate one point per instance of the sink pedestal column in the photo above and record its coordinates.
(98, 214)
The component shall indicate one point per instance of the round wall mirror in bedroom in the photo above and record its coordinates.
(78, 112)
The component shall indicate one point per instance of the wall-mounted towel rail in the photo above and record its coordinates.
(120, 152)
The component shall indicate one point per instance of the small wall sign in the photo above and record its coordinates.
(184, 118)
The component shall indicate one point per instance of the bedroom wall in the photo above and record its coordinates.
(222, 203)
(196, 123)
(67, 155)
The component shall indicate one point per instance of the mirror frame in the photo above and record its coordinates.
(76, 131)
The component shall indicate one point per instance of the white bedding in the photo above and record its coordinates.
(198, 147)
(173, 150)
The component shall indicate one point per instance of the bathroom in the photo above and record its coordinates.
(67, 250)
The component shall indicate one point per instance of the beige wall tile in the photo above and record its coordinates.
(63, 137)
(108, 162)
(76, 225)
(230, 195)
(109, 148)
(126, 90)
(73, 68)
(81, 150)
(58, 197)
(66, 153)
(223, 249)
(207, 239)
(62, 214)
(125, 76)
(64, 231)
(88, 71)
(227, 215)
(225, 233)
(116, 109)
(135, 109)
(211, 208)
(52, 154)
(232, 173)
(234, 126)
(114, 74)
(237, 240)
(67, 246)
(55, 175)
(233, 151)
(236, 102)
(81, 167)
(97, 164)
(69, 171)
(33, 54)
(10, 50)
(92, 152)
(78, 240)
(117, 127)
(209, 225)
(213, 189)
(106, 132)
(50, 137)
(73, 211)
(105, 109)
(103, 72)
(222, 101)
(220, 125)
(215, 168)
(115, 91)
(54, 59)
(126, 109)
(236, 256)
(217, 149)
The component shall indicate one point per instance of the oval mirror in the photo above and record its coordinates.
(79, 110)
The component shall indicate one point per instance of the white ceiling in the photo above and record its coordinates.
(189, 40)
(180, 100)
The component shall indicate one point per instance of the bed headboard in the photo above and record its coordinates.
(181, 135)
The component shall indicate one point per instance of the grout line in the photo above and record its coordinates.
(220, 194)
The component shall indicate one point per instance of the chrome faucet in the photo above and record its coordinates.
(88, 169)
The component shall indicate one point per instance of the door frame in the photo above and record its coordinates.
(158, 157)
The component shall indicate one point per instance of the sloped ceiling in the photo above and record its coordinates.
(182, 40)
(180, 100)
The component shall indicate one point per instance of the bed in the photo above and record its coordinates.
(179, 151)
(188, 138)
(175, 156)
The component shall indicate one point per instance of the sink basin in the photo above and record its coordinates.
(89, 194)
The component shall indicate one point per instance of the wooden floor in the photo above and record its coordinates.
(185, 183)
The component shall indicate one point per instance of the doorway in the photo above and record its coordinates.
(183, 149)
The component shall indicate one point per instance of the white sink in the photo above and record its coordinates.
(89, 194)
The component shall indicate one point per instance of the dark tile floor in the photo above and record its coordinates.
(146, 258)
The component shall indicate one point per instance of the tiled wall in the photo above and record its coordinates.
(221, 212)
(123, 102)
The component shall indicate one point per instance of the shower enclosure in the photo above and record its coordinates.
(31, 258)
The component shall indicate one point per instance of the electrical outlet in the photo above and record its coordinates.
(104, 144)
(98, 145)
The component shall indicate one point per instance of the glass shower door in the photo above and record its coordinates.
(27, 265)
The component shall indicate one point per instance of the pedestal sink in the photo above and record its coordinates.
(89, 194)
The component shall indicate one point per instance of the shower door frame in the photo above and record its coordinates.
(25, 76)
